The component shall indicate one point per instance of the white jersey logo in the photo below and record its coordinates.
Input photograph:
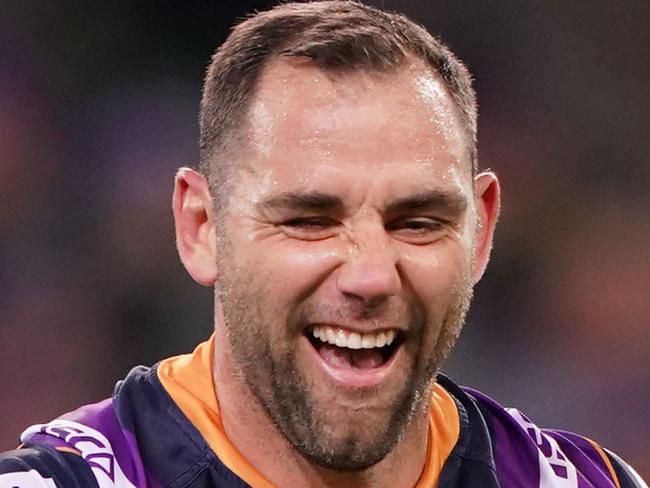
(94, 447)
(555, 470)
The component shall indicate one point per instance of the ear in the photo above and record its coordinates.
(487, 193)
(195, 226)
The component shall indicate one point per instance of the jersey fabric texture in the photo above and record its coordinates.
(162, 429)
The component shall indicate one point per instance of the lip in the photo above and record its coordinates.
(354, 378)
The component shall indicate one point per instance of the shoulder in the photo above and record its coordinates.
(524, 454)
(139, 437)
(88, 447)
(43, 466)
(572, 457)
(89, 440)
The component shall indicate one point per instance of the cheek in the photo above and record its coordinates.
(290, 269)
(436, 273)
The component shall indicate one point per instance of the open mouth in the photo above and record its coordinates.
(345, 349)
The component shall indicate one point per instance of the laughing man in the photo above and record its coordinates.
(339, 213)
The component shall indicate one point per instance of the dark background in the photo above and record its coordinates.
(98, 104)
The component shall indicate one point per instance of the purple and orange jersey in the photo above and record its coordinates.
(162, 428)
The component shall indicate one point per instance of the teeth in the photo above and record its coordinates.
(330, 335)
(390, 337)
(380, 341)
(368, 341)
(353, 340)
(341, 338)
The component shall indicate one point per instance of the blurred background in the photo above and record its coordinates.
(98, 107)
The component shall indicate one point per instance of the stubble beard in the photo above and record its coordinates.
(269, 370)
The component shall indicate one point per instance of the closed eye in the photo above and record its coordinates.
(310, 228)
(416, 230)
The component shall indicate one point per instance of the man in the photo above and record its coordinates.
(342, 220)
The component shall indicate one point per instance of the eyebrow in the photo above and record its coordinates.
(452, 202)
(309, 201)
(440, 200)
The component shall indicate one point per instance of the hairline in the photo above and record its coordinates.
(230, 150)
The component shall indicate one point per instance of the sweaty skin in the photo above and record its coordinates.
(354, 207)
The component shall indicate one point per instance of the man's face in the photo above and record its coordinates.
(345, 255)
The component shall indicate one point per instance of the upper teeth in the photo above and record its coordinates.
(353, 340)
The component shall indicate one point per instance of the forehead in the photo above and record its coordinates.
(304, 120)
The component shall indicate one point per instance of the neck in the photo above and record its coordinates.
(256, 437)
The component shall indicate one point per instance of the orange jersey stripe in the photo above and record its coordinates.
(188, 380)
(444, 431)
(607, 462)
(63, 449)
(69, 449)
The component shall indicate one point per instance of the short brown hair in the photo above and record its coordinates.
(338, 36)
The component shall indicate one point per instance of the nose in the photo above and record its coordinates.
(370, 273)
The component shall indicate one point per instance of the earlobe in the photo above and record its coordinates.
(488, 203)
(195, 226)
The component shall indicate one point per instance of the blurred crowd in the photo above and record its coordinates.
(98, 108)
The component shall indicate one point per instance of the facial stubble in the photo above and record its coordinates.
(259, 336)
